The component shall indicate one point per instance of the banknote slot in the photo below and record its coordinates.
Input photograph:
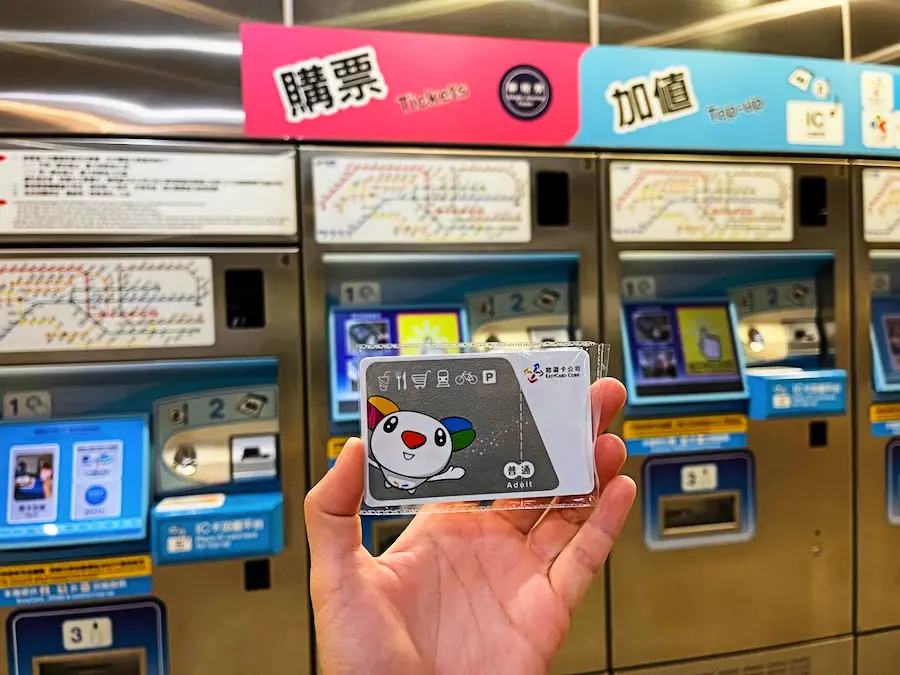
(552, 192)
(708, 513)
(245, 298)
(117, 662)
(813, 201)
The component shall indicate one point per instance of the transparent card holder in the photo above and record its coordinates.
(475, 426)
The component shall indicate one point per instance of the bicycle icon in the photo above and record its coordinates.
(465, 377)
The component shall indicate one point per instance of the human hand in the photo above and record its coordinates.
(482, 592)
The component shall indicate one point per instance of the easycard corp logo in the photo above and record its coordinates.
(534, 373)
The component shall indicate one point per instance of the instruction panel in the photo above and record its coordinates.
(156, 193)
(881, 205)
(365, 200)
(105, 303)
(656, 201)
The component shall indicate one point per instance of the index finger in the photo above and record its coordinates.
(607, 399)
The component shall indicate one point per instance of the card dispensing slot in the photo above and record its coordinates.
(708, 513)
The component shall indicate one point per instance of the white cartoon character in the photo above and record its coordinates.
(411, 448)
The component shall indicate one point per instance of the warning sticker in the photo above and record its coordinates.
(76, 571)
(884, 412)
(677, 426)
(335, 445)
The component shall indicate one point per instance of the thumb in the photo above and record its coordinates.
(332, 519)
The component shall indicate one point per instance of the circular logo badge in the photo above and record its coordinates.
(525, 92)
(95, 495)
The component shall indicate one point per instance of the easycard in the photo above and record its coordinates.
(476, 427)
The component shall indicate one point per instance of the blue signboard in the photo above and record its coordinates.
(674, 99)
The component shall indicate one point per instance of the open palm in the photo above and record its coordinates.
(483, 592)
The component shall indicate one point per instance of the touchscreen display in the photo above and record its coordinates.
(351, 329)
(682, 349)
(886, 324)
(73, 482)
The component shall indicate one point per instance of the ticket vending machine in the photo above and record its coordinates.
(424, 247)
(151, 447)
(877, 381)
(726, 296)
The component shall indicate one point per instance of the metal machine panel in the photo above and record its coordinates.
(756, 26)
(878, 653)
(565, 20)
(106, 67)
(874, 274)
(873, 29)
(693, 603)
(214, 615)
(349, 275)
(828, 657)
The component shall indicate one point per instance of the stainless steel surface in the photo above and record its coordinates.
(772, 590)
(875, 30)
(557, 20)
(828, 657)
(585, 650)
(215, 626)
(877, 541)
(790, 27)
(141, 67)
(878, 653)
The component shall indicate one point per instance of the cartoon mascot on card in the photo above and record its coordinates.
(411, 448)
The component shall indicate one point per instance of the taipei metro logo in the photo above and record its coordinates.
(534, 373)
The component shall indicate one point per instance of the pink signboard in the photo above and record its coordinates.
(353, 85)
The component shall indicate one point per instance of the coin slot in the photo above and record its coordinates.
(552, 192)
(245, 299)
(385, 533)
(818, 434)
(709, 513)
(257, 575)
(813, 201)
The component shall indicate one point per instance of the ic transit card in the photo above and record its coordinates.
(476, 427)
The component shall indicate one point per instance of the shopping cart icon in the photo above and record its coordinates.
(384, 381)
(420, 379)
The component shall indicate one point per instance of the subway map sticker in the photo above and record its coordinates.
(881, 204)
(684, 201)
(368, 200)
(105, 303)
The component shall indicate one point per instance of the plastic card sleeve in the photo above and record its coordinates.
(466, 427)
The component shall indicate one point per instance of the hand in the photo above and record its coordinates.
(483, 592)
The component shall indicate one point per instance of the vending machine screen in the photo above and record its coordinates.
(73, 482)
(351, 329)
(682, 350)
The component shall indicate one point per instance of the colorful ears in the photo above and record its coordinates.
(461, 432)
(377, 408)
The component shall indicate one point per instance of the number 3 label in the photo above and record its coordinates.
(91, 633)
(699, 477)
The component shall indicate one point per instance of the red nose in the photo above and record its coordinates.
(412, 439)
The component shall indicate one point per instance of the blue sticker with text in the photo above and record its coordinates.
(686, 443)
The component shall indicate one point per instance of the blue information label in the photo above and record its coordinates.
(686, 443)
(74, 592)
(811, 393)
(243, 526)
